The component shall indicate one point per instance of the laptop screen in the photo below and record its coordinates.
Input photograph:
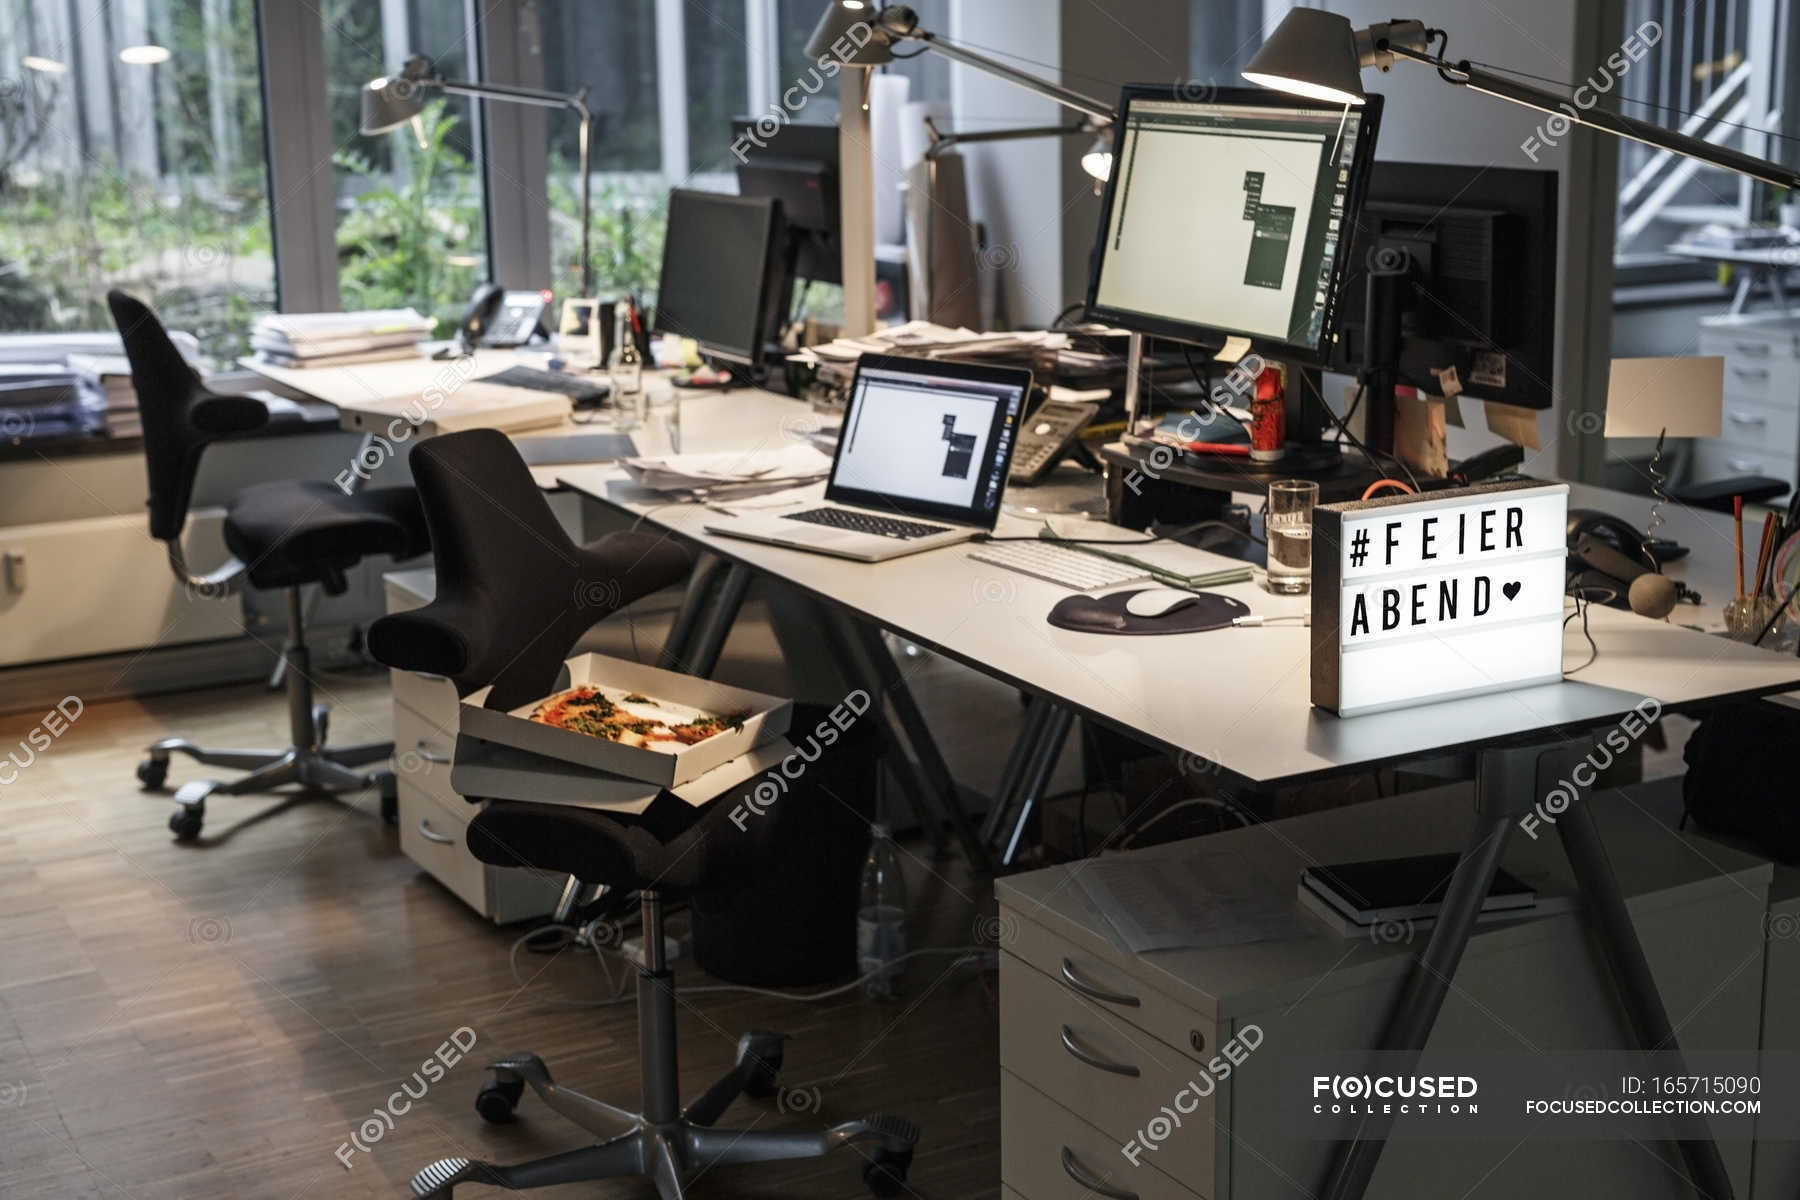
(929, 438)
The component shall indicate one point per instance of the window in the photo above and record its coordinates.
(616, 61)
(409, 202)
(131, 155)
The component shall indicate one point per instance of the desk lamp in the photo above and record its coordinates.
(1319, 54)
(393, 100)
(855, 33)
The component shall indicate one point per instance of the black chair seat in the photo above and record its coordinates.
(298, 531)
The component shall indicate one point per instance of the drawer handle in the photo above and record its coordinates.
(1092, 992)
(1743, 464)
(424, 749)
(1752, 349)
(1751, 372)
(1738, 418)
(432, 835)
(1069, 1044)
(1074, 1170)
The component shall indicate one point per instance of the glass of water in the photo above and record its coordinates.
(663, 417)
(1288, 522)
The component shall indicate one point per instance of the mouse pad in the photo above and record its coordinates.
(1106, 614)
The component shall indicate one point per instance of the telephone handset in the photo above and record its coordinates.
(500, 317)
(1606, 553)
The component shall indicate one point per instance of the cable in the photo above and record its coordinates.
(1356, 441)
(1194, 802)
(1386, 483)
(1206, 390)
(1582, 605)
(1179, 532)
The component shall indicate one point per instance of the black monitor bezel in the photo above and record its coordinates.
(974, 514)
(751, 356)
(1214, 337)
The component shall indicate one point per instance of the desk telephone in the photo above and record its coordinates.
(1047, 436)
(502, 317)
(1607, 553)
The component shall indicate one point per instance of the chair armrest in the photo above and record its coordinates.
(221, 415)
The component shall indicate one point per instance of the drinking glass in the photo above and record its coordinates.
(1288, 523)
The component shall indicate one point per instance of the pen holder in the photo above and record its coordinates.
(1746, 617)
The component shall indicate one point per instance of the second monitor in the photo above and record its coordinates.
(722, 275)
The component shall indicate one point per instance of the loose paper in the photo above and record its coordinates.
(1517, 425)
(1683, 396)
(1162, 900)
(1234, 349)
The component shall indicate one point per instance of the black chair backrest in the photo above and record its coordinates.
(514, 592)
(180, 416)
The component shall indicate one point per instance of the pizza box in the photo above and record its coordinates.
(768, 719)
(485, 771)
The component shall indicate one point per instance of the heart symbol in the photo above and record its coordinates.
(1511, 589)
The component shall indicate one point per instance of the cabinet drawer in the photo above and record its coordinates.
(1047, 1153)
(1759, 428)
(422, 752)
(1105, 1070)
(1772, 380)
(431, 696)
(431, 834)
(1721, 460)
(1099, 980)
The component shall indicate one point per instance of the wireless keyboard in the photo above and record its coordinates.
(1061, 565)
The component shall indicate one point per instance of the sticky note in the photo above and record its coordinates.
(1234, 349)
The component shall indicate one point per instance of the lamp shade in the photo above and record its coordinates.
(1312, 53)
(389, 102)
(850, 32)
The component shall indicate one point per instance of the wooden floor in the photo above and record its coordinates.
(217, 1019)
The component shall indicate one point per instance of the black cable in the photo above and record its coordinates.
(1179, 532)
(1206, 389)
(1582, 604)
(1357, 442)
(898, 57)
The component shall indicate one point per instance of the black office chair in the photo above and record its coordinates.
(283, 534)
(513, 596)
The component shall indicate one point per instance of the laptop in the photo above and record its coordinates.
(921, 462)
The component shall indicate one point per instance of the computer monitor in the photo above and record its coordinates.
(1458, 267)
(797, 165)
(721, 277)
(1224, 217)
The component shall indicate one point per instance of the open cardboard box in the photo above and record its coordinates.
(767, 719)
(484, 771)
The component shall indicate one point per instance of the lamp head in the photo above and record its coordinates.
(392, 100)
(1312, 53)
(858, 33)
(1098, 161)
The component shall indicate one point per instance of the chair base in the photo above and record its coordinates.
(667, 1143)
(672, 1153)
(307, 761)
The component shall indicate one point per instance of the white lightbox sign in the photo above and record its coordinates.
(1452, 593)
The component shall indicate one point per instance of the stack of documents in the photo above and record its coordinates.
(104, 381)
(41, 399)
(338, 339)
(734, 473)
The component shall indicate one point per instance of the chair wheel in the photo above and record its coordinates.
(498, 1098)
(885, 1172)
(152, 773)
(185, 823)
(390, 797)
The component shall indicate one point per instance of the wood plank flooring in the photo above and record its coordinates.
(217, 1019)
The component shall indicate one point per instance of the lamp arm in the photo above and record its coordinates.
(1506, 88)
(1069, 98)
(941, 142)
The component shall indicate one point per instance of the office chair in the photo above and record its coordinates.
(282, 534)
(513, 596)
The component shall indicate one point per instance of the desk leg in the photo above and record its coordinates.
(1040, 764)
(1741, 297)
(1645, 1015)
(715, 624)
(1509, 780)
(899, 701)
(1012, 774)
(701, 582)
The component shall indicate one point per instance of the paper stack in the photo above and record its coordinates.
(104, 381)
(338, 339)
(41, 399)
(736, 473)
(1034, 349)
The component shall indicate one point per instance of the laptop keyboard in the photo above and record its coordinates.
(861, 522)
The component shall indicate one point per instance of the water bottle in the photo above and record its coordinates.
(881, 919)
(625, 371)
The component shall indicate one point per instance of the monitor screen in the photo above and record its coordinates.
(930, 438)
(1228, 216)
(717, 270)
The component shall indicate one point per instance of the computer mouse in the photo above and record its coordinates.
(1158, 602)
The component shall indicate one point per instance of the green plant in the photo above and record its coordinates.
(626, 242)
(416, 241)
